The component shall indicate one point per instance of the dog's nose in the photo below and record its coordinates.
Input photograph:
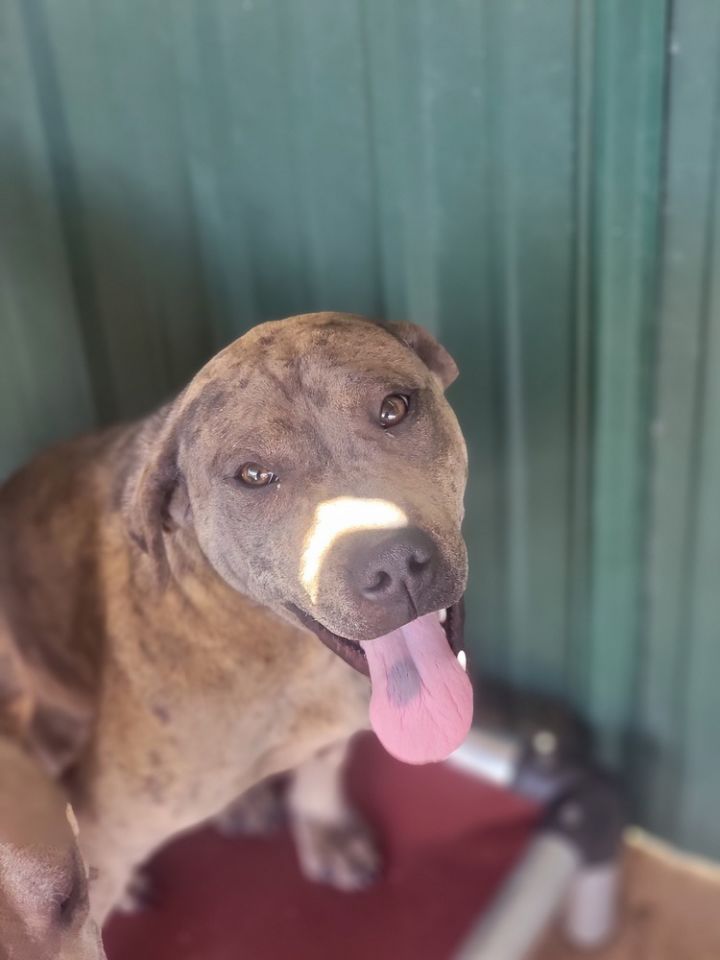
(401, 565)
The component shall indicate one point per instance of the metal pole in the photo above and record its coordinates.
(571, 870)
(527, 903)
(591, 909)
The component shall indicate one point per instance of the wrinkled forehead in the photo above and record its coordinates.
(281, 370)
(341, 355)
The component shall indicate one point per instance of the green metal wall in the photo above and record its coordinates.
(536, 181)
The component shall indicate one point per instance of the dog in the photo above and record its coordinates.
(44, 903)
(195, 602)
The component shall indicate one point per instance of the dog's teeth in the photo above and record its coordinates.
(462, 660)
(442, 616)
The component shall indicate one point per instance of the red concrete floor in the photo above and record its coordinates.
(448, 840)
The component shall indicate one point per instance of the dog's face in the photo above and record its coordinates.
(321, 471)
(44, 912)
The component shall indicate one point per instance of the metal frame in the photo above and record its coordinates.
(571, 870)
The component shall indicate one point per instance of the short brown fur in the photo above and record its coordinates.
(143, 593)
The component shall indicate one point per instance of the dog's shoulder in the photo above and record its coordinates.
(56, 524)
(64, 474)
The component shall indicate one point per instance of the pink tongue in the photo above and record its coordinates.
(422, 700)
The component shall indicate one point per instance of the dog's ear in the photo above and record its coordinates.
(154, 496)
(433, 354)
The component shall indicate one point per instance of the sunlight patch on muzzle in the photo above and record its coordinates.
(339, 516)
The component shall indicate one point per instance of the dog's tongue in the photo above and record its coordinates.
(422, 701)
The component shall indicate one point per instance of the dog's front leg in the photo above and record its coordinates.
(334, 845)
(112, 868)
(259, 810)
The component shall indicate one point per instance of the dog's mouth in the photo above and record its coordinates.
(421, 706)
(452, 620)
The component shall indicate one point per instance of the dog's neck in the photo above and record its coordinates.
(201, 596)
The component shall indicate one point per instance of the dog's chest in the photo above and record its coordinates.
(220, 724)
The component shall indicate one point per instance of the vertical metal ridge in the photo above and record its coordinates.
(306, 227)
(505, 641)
(426, 237)
(663, 706)
(686, 665)
(628, 169)
(44, 383)
(218, 173)
(638, 770)
(512, 429)
(69, 204)
(207, 340)
(697, 824)
(513, 401)
(378, 280)
(580, 411)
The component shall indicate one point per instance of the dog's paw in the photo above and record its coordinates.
(139, 893)
(259, 811)
(345, 856)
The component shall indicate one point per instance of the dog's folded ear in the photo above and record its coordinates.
(433, 354)
(154, 497)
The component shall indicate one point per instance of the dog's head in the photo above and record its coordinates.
(44, 912)
(320, 469)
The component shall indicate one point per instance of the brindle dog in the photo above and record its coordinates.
(164, 588)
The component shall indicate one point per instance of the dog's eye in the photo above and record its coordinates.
(394, 409)
(253, 475)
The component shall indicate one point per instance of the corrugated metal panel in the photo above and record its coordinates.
(535, 182)
(677, 717)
